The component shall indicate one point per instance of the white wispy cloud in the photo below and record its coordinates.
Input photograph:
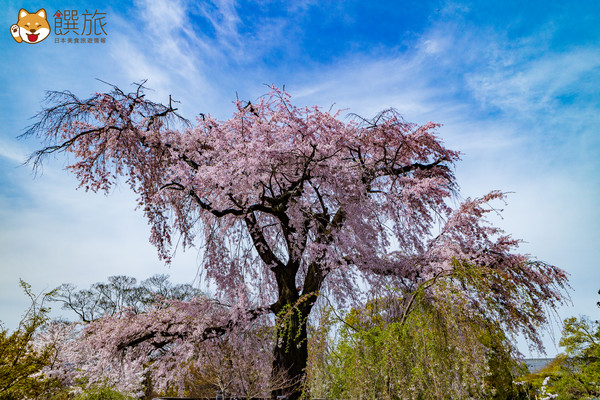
(535, 85)
(225, 21)
(160, 44)
(12, 151)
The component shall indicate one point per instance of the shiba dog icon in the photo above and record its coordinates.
(31, 27)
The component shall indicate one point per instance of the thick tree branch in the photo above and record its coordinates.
(207, 334)
(260, 243)
(415, 166)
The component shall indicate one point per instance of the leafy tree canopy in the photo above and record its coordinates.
(439, 350)
(21, 359)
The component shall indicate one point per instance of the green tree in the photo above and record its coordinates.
(576, 373)
(21, 360)
(437, 351)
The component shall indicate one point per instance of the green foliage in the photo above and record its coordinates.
(581, 338)
(435, 352)
(102, 393)
(318, 374)
(21, 361)
(291, 320)
(575, 374)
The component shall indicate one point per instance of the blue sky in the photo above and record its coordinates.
(515, 85)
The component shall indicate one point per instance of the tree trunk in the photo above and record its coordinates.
(292, 310)
(291, 351)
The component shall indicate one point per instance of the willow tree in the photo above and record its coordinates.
(288, 203)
